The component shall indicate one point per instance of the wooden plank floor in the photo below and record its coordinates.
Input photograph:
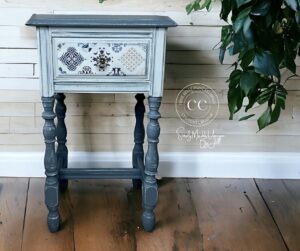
(192, 214)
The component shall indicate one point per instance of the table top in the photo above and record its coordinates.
(101, 21)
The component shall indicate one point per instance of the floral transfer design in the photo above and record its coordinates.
(62, 71)
(59, 46)
(116, 72)
(87, 47)
(101, 57)
(117, 47)
(71, 58)
(86, 70)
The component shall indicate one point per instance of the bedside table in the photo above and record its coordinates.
(101, 54)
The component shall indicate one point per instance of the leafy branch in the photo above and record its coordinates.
(265, 36)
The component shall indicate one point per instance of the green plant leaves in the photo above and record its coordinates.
(235, 100)
(246, 117)
(246, 58)
(226, 37)
(248, 35)
(248, 81)
(235, 94)
(297, 17)
(196, 5)
(261, 9)
(265, 119)
(265, 95)
(275, 95)
(242, 2)
(239, 22)
(192, 6)
(264, 63)
(221, 55)
(293, 4)
(265, 35)
(290, 55)
(226, 9)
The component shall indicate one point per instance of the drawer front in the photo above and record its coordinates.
(105, 58)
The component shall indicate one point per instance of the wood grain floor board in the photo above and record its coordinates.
(36, 236)
(102, 216)
(177, 225)
(13, 193)
(192, 214)
(283, 200)
(232, 216)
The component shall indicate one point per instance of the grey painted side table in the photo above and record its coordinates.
(101, 54)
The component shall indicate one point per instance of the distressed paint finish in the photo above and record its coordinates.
(109, 21)
(157, 82)
(61, 136)
(111, 81)
(45, 59)
(54, 81)
(139, 135)
(50, 162)
(96, 54)
(150, 191)
(100, 173)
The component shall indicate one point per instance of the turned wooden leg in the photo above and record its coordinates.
(139, 136)
(61, 135)
(150, 191)
(51, 185)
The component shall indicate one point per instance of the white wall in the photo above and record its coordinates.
(103, 123)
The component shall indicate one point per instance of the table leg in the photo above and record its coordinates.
(139, 136)
(61, 135)
(51, 185)
(150, 191)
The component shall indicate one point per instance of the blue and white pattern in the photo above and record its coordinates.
(61, 70)
(86, 47)
(117, 47)
(71, 58)
(116, 72)
(86, 70)
(59, 46)
(102, 57)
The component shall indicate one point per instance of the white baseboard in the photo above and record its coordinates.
(279, 165)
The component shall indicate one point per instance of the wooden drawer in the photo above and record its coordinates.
(101, 54)
(108, 59)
